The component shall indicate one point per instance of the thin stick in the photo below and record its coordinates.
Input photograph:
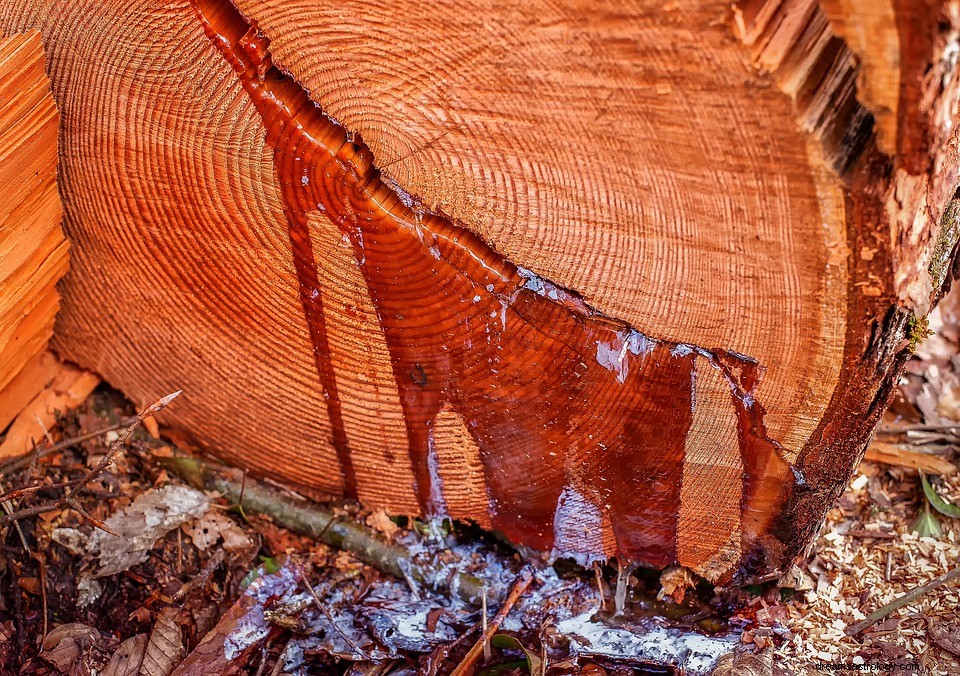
(321, 523)
(203, 577)
(116, 448)
(18, 493)
(483, 609)
(519, 587)
(264, 654)
(278, 667)
(904, 600)
(43, 595)
(9, 509)
(41, 452)
(323, 609)
(599, 577)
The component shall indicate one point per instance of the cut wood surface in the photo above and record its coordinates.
(628, 280)
(33, 250)
(69, 387)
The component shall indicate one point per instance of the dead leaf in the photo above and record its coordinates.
(30, 585)
(65, 645)
(949, 641)
(127, 658)
(433, 617)
(150, 517)
(379, 521)
(165, 648)
(226, 648)
(214, 526)
(742, 663)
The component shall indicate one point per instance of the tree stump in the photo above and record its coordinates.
(617, 280)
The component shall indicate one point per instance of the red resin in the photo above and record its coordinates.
(554, 393)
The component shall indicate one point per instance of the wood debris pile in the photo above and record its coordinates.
(868, 552)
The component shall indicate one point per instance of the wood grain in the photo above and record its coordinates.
(565, 271)
(33, 250)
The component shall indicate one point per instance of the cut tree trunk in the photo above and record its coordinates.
(629, 280)
(33, 250)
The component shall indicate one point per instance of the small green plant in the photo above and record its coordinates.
(533, 663)
(936, 501)
(918, 330)
(926, 524)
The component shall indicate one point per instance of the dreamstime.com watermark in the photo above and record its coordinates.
(877, 667)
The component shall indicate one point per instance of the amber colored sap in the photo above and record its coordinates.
(553, 392)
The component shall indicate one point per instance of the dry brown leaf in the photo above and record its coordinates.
(151, 516)
(379, 521)
(743, 663)
(949, 641)
(214, 526)
(165, 648)
(227, 647)
(127, 658)
(65, 645)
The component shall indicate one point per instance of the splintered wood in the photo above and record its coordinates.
(615, 280)
(33, 251)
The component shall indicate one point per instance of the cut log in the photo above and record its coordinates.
(33, 250)
(628, 280)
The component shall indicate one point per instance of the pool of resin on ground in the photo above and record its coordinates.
(578, 417)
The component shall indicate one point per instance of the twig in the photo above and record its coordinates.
(9, 509)
(43, 594)
(876, 534)
(264, 654)
(323, 609)
(75, 506)
(278, 667)
(320, 523)
(519, 587)
(623, 582)
(18, 493)
(116, 448)
(203, 577)
(905, 455)
(923, 428)
(904, 600)
(599, 577)
(42, 452)
(483, 609)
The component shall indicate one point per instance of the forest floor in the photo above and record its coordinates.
(140, 572)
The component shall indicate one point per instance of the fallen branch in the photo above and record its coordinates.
(904, 600)
(322, 524)
(519, 587)
(69, 498)
(902, 455)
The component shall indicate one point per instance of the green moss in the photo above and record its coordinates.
(918, 329)
(946, 241)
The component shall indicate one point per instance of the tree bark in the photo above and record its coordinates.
(615, 280)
